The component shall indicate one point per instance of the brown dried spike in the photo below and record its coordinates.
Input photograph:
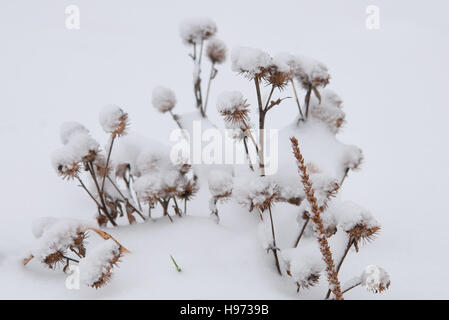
(332, 276)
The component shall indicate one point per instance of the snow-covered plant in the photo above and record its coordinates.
(310, 73)
(260, 67)
(260, 193)
(197, 33)
(161, 182)
(61, 242)
(357, 223)
(96, 267)
(81, 158)
(220, 186)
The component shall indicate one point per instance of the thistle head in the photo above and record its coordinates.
(114, 120)
(164, 99)
(216, 51)
(233, 107)
(194, 31)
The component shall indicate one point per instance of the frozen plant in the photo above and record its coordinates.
(197, 33)
(164, 100)
(161, 182)
(357, 223)
(82, 154)
(63, 241)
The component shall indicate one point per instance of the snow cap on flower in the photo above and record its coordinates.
(163, 99)
(196, 30)
(375, 279)
(220, 183)
(252, 62)
(233, 107)
(56, 236)
(65, 162)
(216, 51)
(83, 146)
(113, 120)
(328, 110)
(254, 191)
(303, 263)
(308, 71)
(352, 158)
(67, 129)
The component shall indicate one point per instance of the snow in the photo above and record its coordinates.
(302, 262)
(97, 261)
(349, 214)
(196, 30)
(249, 60)
(110, 118)
(375, 278)
(398, 122)
(69, 128)
(230, 102)
(163, 99)
(220, 182)
(56, 235)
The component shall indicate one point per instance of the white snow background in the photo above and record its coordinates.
(393, 82)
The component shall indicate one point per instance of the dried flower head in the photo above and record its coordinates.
(83, 146)
(114, 120)
(254, 191)
(251, 62)
(303, 264)
(233, 107)
(216, 51)
(163, 99)
(353, 158)
(54, 259)
(66, 164)
(362, 232)
(220, 184)
(278, 73)
(196, 30)
(328, 109)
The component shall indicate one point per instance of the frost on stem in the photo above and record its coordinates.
(163, 99)
(220, 186)
(196, 30)
(113, 120)
(96, 268)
